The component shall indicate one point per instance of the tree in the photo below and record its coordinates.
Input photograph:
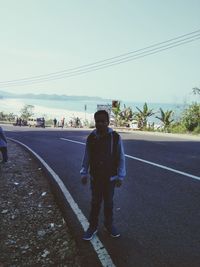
(191, 117)
(7, 117)
(122, 117)
(11, 117)
(196, 91)
(126, 116)
(165, 117)
(116, 111)
(2, 116)
(143, 115)
(27, 112)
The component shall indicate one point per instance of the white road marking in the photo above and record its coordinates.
(165, 167)
(148, 162)
(72, 141)
(102, 253)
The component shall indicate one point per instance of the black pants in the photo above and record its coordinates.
(102, 189)
(4, 153)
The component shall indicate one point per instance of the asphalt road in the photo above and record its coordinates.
(156, 209)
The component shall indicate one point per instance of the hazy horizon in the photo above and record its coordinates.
(91, 97)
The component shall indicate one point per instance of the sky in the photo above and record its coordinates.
(42, 37)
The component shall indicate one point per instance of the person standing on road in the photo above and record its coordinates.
(62, 122)
(3, 146)
(104, 157)
(54, 122)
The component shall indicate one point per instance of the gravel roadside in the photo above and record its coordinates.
(32, 229)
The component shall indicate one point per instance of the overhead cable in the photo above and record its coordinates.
(109, 62)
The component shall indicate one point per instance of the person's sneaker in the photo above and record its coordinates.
(112, 231)
(88, 235)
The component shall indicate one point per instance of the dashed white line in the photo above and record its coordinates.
(147, 162)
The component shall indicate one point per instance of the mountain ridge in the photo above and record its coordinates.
(62, 97)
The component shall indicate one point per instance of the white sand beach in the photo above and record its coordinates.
(15, 105)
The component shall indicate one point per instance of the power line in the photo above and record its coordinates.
(108, 64)
(98, 67)
(149, 50)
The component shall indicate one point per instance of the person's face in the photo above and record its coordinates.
(101, 123)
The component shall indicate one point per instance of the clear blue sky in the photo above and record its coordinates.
(41, 37)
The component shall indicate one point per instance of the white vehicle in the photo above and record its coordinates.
(31, 122)
(38, 122)
(134, 125)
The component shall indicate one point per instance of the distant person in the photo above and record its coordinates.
(54, 122)
(43, 122)
(71, 123)
(3, 146)
(105, 160)
(78, 122)
(20, 122)
(62, 122)
(23, 122)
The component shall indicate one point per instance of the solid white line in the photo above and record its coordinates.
(149, 162)
(102, 253)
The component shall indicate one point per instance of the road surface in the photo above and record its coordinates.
(156, 209)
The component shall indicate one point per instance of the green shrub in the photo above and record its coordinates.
(196, 130)
(191, 117)
(178, 128)
(49, 122)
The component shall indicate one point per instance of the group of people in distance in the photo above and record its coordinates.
(75, 122)
(56, 123)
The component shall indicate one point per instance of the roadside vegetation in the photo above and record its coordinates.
(188, 121)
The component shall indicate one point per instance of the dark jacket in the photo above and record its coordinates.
(3, 140)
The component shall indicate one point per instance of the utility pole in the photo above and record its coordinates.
(85, 108)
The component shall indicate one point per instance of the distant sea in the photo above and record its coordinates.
(81, 108)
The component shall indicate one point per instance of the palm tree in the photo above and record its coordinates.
(196, 91)
(142, 115)
(116, 111)
(165, 117)
(126, 116)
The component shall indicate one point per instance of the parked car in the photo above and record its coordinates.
(134, 125)
(38, 122)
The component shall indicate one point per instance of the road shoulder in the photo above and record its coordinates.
(33, 231)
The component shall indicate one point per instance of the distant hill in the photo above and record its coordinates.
(4, 94)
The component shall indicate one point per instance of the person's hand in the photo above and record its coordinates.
(84, 180)
(118, 183)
